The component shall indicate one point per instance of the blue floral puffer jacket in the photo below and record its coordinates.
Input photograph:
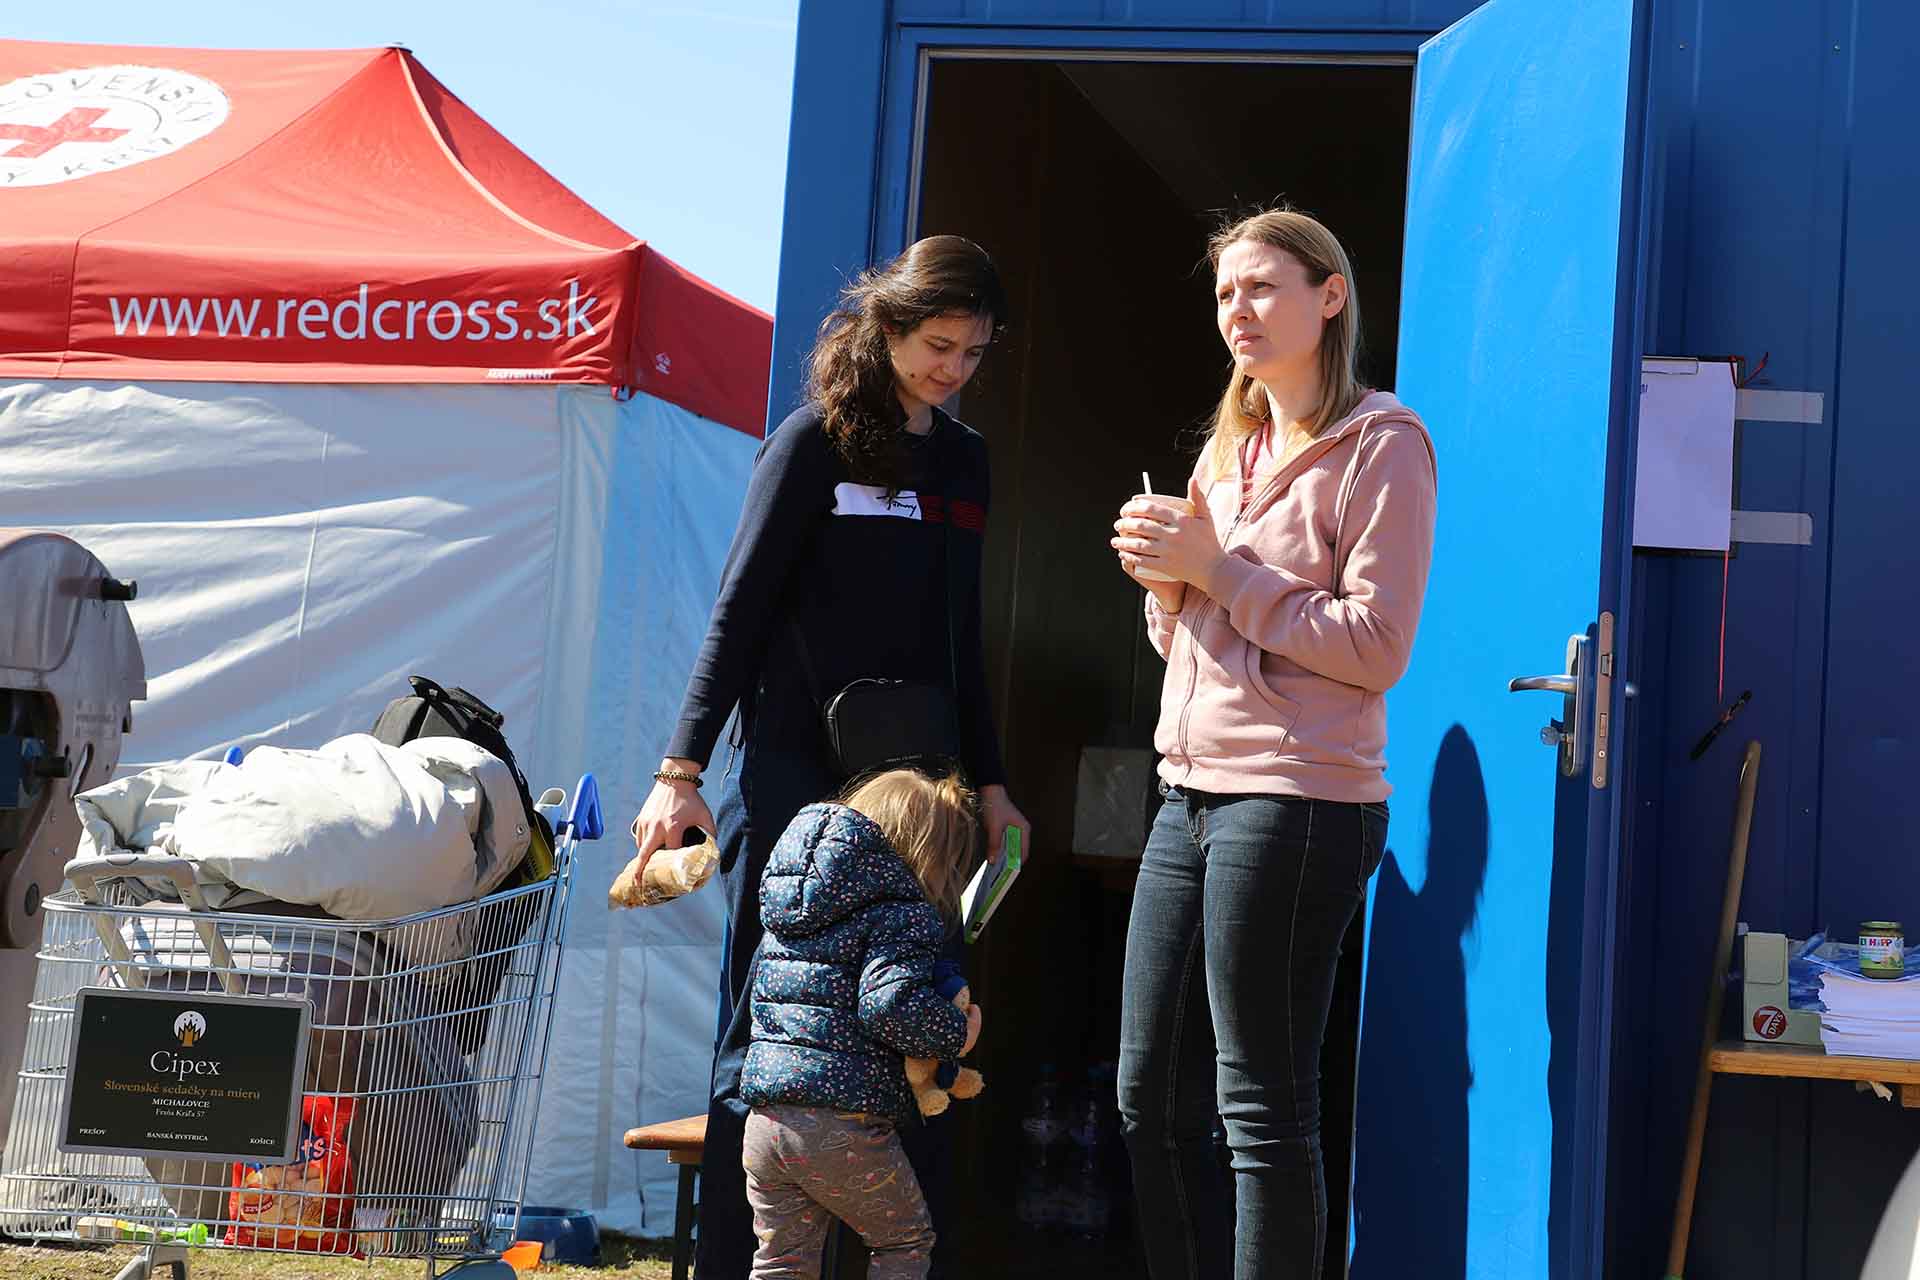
(843, 992)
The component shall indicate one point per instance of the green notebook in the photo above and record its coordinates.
(989, 885)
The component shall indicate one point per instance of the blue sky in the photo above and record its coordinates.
(671, 118)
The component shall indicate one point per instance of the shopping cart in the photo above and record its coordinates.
(421, 1039)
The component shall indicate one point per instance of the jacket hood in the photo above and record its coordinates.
(1376, 410)
(831, 863)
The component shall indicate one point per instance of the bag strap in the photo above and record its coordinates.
(458, 705)
(456, 699)
(426, 689)
(944, 456)
(435, 696)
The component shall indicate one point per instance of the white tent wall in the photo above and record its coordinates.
(652, 510)
(302, 548)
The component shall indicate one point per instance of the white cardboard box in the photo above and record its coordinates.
(1765, 1013)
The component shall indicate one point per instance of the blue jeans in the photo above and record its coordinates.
(1237, 919)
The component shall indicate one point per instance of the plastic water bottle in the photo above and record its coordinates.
(1036, 1197)
(1086, 1204)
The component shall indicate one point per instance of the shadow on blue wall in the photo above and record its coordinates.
(1410, 1169)
(1566, 956)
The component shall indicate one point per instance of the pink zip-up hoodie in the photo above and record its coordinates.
(1276, 672)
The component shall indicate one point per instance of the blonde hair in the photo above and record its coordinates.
(932, 823)
(1243, 407)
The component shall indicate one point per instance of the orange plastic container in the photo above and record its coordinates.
(524, 1256)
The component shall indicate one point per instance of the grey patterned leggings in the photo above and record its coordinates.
(806, 1166)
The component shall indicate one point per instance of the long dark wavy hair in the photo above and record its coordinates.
(850, 373)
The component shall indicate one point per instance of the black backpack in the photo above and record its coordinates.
(431, 711)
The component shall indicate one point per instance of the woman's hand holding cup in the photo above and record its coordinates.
(1165, 542)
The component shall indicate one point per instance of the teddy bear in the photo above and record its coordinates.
(932, 1079)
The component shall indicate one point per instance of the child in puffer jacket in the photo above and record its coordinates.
(855, 900)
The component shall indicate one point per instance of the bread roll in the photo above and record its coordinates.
(670, 874)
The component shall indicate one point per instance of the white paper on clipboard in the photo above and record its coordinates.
(1683, 495)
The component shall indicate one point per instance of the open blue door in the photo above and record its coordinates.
(1481, 1115)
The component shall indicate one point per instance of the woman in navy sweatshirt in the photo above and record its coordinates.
(857, 556)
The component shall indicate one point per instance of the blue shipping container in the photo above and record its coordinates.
(1536, 193)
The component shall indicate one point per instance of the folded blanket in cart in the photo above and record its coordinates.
(360, 829)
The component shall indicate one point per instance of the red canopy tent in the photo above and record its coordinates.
(219, 274)
(324, 217)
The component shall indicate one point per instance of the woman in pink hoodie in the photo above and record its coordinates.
(1285, 603)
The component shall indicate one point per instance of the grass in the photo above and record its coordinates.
(623, 1259)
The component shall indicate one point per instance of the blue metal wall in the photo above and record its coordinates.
(838, 169)
(1250, 15)
(1789, 178)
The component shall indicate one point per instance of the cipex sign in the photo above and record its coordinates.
(139, 1081)
(189, 1029)
(66, 125)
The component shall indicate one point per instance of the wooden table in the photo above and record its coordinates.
(1804, 1062)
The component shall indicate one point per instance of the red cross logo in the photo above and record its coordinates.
(34, 141)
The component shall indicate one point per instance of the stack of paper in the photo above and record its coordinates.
(1865, 1017)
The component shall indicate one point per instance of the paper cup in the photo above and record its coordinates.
(1182, 505)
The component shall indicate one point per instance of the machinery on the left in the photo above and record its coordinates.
(70, 670)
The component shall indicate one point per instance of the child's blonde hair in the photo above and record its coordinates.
(933, 823)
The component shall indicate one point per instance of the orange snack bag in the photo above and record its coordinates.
(306, 1205)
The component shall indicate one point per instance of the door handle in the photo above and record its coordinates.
(1570, 732)
(1584, 730)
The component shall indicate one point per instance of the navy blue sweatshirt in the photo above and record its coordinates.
(861, 577)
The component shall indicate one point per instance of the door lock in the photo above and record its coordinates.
(1584, 730)
(1569, 733)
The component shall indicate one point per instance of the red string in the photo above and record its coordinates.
(1740, 380)
(1727, 563)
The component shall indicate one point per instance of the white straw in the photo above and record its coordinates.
(1146, 483)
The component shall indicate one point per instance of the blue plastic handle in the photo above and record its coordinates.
(234, 756)
(583, 819)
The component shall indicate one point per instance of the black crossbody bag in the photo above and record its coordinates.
(875, 723)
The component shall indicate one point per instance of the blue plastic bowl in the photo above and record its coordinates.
(566, 1235)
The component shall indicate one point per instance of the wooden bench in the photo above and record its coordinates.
(685, 1142)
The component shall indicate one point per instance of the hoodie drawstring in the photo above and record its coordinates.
(1340, 513)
